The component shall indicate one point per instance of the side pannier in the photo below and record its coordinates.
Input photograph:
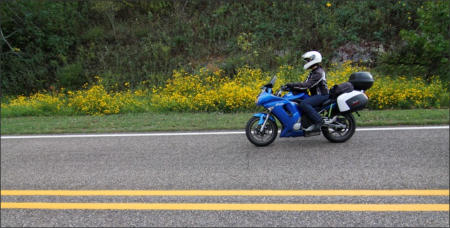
(339, 89)
(353, 101)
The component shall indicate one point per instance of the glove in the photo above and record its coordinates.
(290, 85)
(287, 87)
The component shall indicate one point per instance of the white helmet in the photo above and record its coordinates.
(311, 58)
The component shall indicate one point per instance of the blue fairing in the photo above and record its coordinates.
(262, 117)
(290, 96)
(284, 109)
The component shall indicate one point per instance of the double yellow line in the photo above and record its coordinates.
(225, 206)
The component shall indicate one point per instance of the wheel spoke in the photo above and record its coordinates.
(261, 136)
(258, 137)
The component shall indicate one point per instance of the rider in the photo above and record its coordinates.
(316, 83)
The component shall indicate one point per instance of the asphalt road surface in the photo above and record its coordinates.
(404, 174)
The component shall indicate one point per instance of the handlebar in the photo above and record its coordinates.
(284, 88)
(293, 89)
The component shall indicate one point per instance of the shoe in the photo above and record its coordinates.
(314, 127)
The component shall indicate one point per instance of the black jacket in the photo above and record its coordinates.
(316, 82)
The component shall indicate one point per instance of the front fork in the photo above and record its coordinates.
(264, 122)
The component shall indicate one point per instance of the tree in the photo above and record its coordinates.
(425, 50)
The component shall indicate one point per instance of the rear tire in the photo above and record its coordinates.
(261, 138)
(340, 134)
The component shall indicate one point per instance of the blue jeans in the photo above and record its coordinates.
(307, 107)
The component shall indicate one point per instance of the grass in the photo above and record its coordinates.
(403, 117)
(146, 122)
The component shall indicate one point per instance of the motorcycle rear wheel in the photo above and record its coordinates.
(258, 137)
(340, 134)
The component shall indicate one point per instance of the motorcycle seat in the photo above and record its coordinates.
(324, 104)
(327, 102)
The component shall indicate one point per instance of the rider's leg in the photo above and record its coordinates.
(307, 106)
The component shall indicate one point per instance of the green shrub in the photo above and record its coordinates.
(71, 76)
(134, 40)
(425, 51)
(96, 33)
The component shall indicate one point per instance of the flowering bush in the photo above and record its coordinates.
(94, 101)
(210, 91)
(215, 91)
(37, 104)
(91, 101)
(405, 92)
(97, 101)
(401, 92)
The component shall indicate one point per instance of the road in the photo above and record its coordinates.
(374, 159)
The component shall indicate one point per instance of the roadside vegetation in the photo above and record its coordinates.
(208, 91)
(87, 60)
(176, 121)
(47, 45)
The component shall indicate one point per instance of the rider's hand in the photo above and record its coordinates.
(287, 87)
(290, 85)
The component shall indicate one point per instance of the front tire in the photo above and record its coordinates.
(341, 130)
(258, 137)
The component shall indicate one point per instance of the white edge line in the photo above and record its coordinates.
(199, 133)
(401, 128)
(122, 135)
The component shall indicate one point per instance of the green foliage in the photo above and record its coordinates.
(426, 49)
(212, 91)
(71, 76)
(135, 41)
(94, 34)
(42, 34)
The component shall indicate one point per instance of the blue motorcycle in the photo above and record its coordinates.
(339, 123)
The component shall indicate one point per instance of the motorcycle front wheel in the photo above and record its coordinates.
(260, 137)
(340, 130)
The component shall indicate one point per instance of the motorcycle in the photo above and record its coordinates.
(338, 121)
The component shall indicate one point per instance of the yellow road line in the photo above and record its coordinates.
(225, 207)
(406, 192)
